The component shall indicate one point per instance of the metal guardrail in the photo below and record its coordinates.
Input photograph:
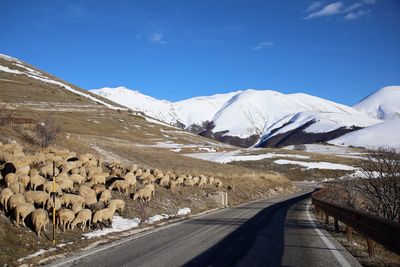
(380, 230)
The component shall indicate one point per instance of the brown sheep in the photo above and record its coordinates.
(40, 219)
(10, 179)
(98, 188)
(104, 215)
(5, 195)
(121, 185)
(84, 217)
(17, 187)
(36, 180)
(65, 218)
(119, 204)
(69, 199)
(37, 197)
(22, 211)
(15, 200)
(77, 179)
(105, 196)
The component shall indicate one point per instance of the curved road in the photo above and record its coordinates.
(274, 232)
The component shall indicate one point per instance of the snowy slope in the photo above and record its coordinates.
(159, 109)
(245, 113)
(318, 122)
(20, 68)
(383, 104)
(256, 111)
(383, 134)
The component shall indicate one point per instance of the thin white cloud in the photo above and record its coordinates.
(354, 11)
(314, 6)
(328, 10)
(262, 45)
(356, 15)
(157, 38)
(76, 11)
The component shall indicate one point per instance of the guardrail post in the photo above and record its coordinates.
(349, 233)
(371, 247)
(336, 225)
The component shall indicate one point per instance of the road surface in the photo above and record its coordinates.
(274, 232)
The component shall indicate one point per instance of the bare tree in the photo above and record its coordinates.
(380, 184)
(46, 131)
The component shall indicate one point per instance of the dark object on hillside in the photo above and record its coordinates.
(73, 159)
(8, 168)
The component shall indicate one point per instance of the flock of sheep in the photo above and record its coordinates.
(82, 186)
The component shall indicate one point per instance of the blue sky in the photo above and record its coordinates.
(340, 50)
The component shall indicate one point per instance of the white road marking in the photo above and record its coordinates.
(339, 257)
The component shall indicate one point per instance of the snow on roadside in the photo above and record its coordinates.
(119, 224)
(157, 218)
(316, 165)
(37, 253)
(184, 211)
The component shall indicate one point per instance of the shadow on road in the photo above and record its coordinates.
(257, 242)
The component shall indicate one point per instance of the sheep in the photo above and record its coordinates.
(84, 217)
(121, 185)
(217, 182)
(76, 207)
(172, 184)
(68, 166)
(10, 179)
(24, 179)
(196, 180)
(211, 180)
(158, 173)
(66, 185)
(40, 219)
(49, 186)
(22, 211)
(105, 196)
(23, 170)
(145, 193)
(37, 197)
(62, 176)
(98, 188)
(5, 195)
(65, 218)
(47, 170)
(138, 172)
(99, 205)
(189, 182)
(99, 178)
(104, 215)
(36, 180)
(133, 168)
(131, 179)
(180, 179)
(69, 199)
(77, 178)
(203, 180)
(119, 204)
(33, 172)
(15, 200)
(164, 180)
(87, 191)
(50, 204)
(17, 187)
(91, 171)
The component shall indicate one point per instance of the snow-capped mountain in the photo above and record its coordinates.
(249, 115)
(383, 134)
(383, 104)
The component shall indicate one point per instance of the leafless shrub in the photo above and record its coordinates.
(377, 191)
(46, 131)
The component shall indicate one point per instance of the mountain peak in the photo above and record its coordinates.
(382, 104)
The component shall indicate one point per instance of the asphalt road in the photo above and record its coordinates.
(273, 232)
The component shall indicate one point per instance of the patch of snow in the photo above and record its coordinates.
(157, 218)
(7, 69)
(226, 157)
(37, 253)
(208, 149)
(119, 224)
(184, 211)
(176, 150)
(316, 165)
